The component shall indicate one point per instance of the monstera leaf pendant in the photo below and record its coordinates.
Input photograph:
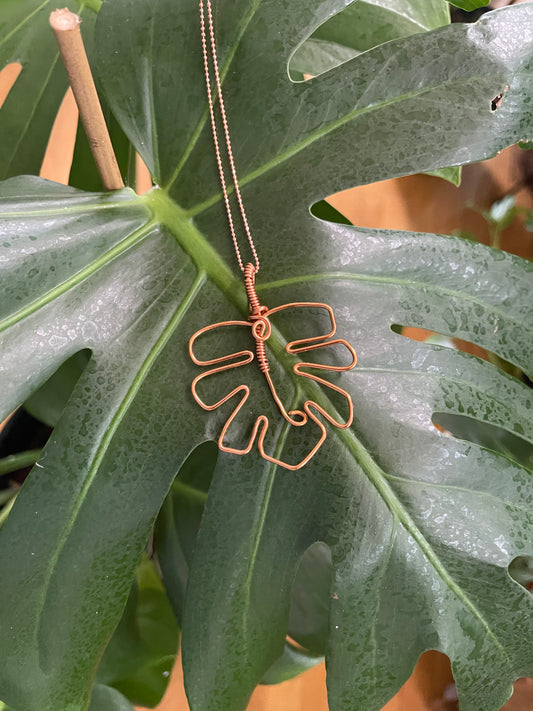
(261, 329)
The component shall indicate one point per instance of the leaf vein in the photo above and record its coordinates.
(76, 279)
(223, 73)
(379, 479)
(97, 458)
(23, 22)
(396, 281)
(83, 209)
(462, 489)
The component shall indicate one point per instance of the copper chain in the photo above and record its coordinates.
(206, 5)
(259, 315)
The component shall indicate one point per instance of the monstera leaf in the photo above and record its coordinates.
(31, 106)
(421, 525)
(363, 25)
(140, 655)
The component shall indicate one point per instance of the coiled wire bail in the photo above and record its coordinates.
(261, 328)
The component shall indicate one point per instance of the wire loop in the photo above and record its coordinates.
(261, 329)
(259, 315)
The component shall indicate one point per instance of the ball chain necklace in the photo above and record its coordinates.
(259, 315)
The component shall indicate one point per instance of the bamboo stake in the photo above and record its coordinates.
(66, 27)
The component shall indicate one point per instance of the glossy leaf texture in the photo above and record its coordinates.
(142, 651)
(179, 521)
(361, 26)
(28, 113)
(105, 698)
(421, 526)
(175, 534)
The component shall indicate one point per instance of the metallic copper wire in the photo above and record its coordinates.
(311, 410)
(225, 126)
(249, 282)
(261, 328)
(259, 315)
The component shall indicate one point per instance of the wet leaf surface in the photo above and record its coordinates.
(421, 526)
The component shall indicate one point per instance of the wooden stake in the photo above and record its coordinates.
(66, 27)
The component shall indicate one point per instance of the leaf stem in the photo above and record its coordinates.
(5, 496)
(18, 461)
(4, 513)
(66, 27)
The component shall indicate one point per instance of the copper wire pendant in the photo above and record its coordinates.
(259, 316)
(261, 330)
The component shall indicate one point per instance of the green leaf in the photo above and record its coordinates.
(175, 534)
(469, 5)
(421, 525)
(179, 521)
(142, 651)
(395, 83)
(106, 699)
(292, 662)
(451, 174)
(28, 113)
(49, 401)
(362, 26)
(91, 600)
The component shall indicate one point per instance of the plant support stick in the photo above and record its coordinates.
(66, 27)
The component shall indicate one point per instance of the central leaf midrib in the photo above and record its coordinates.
(379, 480)
(218, 272)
